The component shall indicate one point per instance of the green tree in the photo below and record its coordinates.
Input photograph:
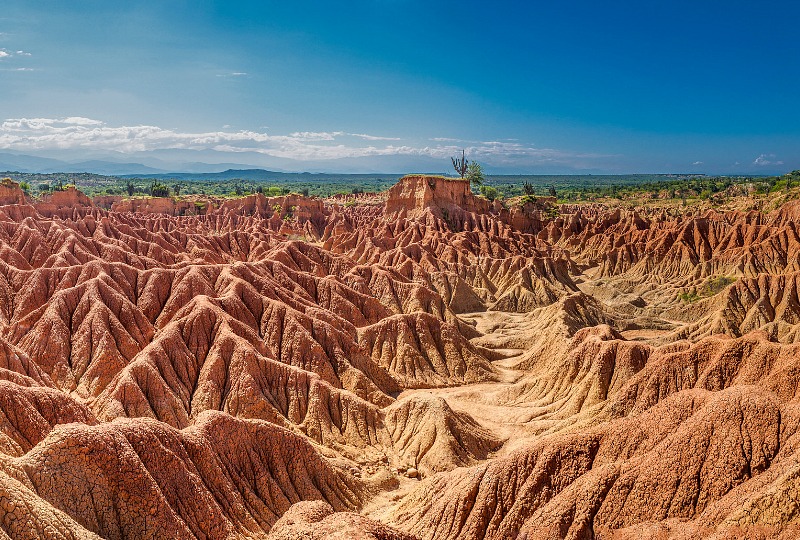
(489, 192)
(25, 186)
(158, 189)
(527, 187)
(130, 188)
(475, 173)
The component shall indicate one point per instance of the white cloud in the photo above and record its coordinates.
(81, 121)
(373, 137)
(333, 135)
(697, 163)
(316, 135)
(766, 159)
(233, 74)
(37, 134)
(446, 139)
(4, 53)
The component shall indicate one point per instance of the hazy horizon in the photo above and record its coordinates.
(400, 85)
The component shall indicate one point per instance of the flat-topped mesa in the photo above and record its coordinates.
(452, 200)
(67, 197)
(60, 201)
(162, 205)
(292, 213)
(106, 201)
(10, 192)
(415, 193)
(293, 205)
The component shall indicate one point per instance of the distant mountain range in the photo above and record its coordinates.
(172, 163)
(210, 165)
(254, 175)
(35, 164)
(171, 167)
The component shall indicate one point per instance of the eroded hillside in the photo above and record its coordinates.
(432, 366)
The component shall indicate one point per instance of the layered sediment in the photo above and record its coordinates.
(431, 365)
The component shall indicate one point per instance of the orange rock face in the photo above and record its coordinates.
(11, 193)
(423, 364)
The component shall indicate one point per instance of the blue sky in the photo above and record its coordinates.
(399, 85)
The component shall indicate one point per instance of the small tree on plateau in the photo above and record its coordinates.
(475, 173)
(460, 164)
(468, 170)
(528, 188)
(158, 189)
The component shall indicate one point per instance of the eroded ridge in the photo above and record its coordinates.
(433, 366)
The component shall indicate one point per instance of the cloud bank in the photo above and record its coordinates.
(79, 133)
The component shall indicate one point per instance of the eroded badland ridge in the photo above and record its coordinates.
(423, 365)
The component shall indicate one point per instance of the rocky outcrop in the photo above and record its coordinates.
(674, 461)
(55, 201)
(414, 193)
(222, 477)
(424, 364)
(11, 193)
(421, 351)
(430, 437)
(317, 520)
(160, 205)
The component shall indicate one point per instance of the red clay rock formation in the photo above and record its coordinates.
(421, 351)
(70, 196)
(418, 192)
(221, 477)
(67, 198)
(431, 437)
(453, 368)
(317, 520)
(630, 471)
(10, 192)
(157, 205)
(106, 201)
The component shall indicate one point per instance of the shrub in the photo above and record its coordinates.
(158, 189)
(475, 174)
(489, 192)
(711, 287)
